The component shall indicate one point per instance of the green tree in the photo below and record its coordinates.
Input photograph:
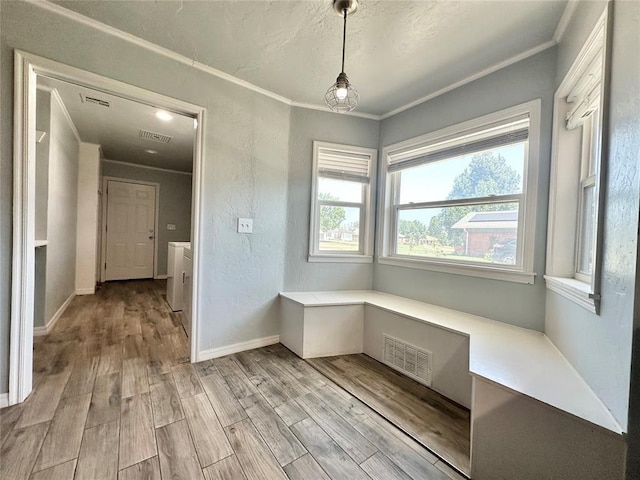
(414, 231)
(487, 174)
(437, 231)
(330, 217)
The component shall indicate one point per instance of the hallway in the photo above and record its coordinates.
(115, 397)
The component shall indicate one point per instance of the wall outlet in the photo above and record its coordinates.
(171, 226)
(245, 225)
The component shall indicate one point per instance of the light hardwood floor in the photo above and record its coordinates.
(434, 420)
(115, 398)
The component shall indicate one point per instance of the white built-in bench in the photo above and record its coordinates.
(533, 416)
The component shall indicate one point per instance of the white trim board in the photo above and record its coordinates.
(109, 30)
(160, 277)
(56, 96)
(567, 15)
(148, 167)
(238, 347)
(4, 400)
(46, 329)
(85, 291)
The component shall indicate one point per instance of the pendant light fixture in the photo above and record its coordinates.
(341, 96)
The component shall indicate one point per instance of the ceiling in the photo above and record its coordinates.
(397, 51)
(117, 128)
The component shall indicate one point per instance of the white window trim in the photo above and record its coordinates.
(522, 274)
(367, 217)
(563, 222)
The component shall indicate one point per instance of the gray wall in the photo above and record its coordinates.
(175, 203)
(62, 208)
(513, 303)
(599, 346)
(307, 126)
(245, 175)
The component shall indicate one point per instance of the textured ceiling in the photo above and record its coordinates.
(117, 128)
(397, 51)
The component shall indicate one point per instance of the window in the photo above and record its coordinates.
(462, 200)
(341, 213)
(573, 244)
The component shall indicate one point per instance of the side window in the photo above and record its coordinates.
(341, 204)
(575, 213)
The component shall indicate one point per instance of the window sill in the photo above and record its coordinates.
(340, 259)
(575, 290)
(495, 273)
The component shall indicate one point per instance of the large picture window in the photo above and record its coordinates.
(456, 200)
(341, 213)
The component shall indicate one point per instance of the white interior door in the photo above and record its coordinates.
(130, 230)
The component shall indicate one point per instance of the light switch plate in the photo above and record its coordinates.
(245, 225)
(171, 226)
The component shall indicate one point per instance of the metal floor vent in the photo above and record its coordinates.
(155, 137)
(408, 359)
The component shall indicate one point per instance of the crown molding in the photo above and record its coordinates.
(322, 108)
(567, 15)
(471, 78)
(109, 30)
(148, 167)
(56, 96)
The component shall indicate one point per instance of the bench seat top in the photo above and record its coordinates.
(522, 360)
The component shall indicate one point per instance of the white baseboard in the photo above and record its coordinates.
(238, 347)
(4, 400)
(160, 277)
(39, 331)
(86, 291)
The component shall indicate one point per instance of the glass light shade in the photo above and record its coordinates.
(341, 97)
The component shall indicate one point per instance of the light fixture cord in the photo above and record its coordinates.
(344, 36)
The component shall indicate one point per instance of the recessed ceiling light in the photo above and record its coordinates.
(163, 115)
(151, 152)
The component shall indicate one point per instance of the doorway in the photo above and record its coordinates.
(27, 70)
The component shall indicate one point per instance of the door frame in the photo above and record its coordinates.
(103, 234)
(27, 67)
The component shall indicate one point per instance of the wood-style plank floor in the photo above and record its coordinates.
(435, 421)
(115, 398)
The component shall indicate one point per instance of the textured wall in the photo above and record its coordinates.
(87, 230)
(518, 304)
(245, 173)
(307, 126)
(175, 203)
(62, 208)
(599, 346)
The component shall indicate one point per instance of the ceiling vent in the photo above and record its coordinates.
(155, 137)
(94, 100)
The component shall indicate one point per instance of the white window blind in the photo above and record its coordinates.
(515, 130)
(343, 165)
(584, 97)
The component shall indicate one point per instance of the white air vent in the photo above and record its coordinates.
(94, 100)
(155, 137)
(408, 359)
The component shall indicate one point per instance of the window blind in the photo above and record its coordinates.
(584, 97)
(515, 131)
(343, 165)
